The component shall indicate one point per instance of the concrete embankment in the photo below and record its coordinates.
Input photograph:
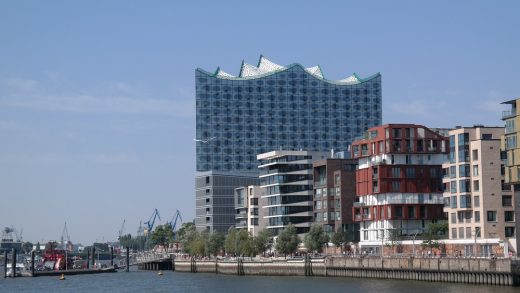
(503, 272)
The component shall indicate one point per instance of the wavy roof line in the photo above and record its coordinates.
(266, 67)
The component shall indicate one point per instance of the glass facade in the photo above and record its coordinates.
(240, 117)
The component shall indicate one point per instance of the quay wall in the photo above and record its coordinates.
(503, 272)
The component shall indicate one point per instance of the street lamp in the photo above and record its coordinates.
(413, 243)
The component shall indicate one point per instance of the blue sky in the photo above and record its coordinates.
(97, 97)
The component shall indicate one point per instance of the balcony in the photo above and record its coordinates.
(508, 114)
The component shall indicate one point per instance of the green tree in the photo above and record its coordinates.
(185, 229)
(339, 238)
(199, 245)
(263, 241)
(216, 243)
(162, 235)
(245, 243)
(394, 238)
(434, 232)
(287, 242)
(230, 244)
(315, 238)
(27, 247)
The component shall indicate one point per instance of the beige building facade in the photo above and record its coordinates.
(479, 206)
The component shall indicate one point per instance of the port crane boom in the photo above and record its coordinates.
(120, 232)
(173, 221)
(150, 223)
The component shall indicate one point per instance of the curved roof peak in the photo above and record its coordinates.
(266, 66)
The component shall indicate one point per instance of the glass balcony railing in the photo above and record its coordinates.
(508, 114)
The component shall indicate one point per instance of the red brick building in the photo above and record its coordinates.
(398, 182)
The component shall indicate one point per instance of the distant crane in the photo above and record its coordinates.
(149, 224)
(64, 233)
(140, 230)
(120, 232)
(173, 221)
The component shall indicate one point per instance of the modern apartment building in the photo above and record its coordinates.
(248, 212)
(215, 199)
(511, 154)
(398, 182)
(269, 107)
(335, 194)
(286, 180)
(478, 204)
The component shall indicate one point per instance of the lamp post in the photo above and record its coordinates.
(413, 243)
(382, 241)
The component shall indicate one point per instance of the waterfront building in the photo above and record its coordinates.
(479, 205)
(511, 153)
(286, 180)
(269, 107)
(334, 195)
(215, 201)
(248, 214)
(398, 182)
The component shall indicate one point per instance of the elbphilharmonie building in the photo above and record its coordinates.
(270, 107)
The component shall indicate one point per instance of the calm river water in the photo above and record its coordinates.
(147, 281)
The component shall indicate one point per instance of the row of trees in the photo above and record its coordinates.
(239, 242)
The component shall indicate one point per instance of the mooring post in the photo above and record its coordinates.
(93, 256)
(127, 259)
(33, 255)
(88, 259)
(5, 264)
(13, 264)
(111, 256)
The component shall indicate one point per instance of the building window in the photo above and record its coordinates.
(318, 204)
(475, 170)
(491, 216)
(396, 172)
(454, 233)
(464, 171)
(318, 193)
(336, 179)
(453, 218)
(468, 232)
(453, 202)
(365, 235)
(453, 171)
(398, 212)
(510, 231)
(338, 191)
(207, 179)
(338, 216)
(474, 155)
(461, 232)
(396, 186)
(464, 186)
(410, 172)
(476, 185)
(324, 203)
(477, 217)
(507, 201)
(476, 201)
(509, 216)
(453, 186)
(411, 212)
(460, 217)
(465, 201)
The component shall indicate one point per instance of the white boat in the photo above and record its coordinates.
(19, 269)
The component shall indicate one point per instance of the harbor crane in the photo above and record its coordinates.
(173, 221)
(120, 232)
(64, 233)
(150, 223)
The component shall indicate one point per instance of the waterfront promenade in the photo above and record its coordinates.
(502, 272)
